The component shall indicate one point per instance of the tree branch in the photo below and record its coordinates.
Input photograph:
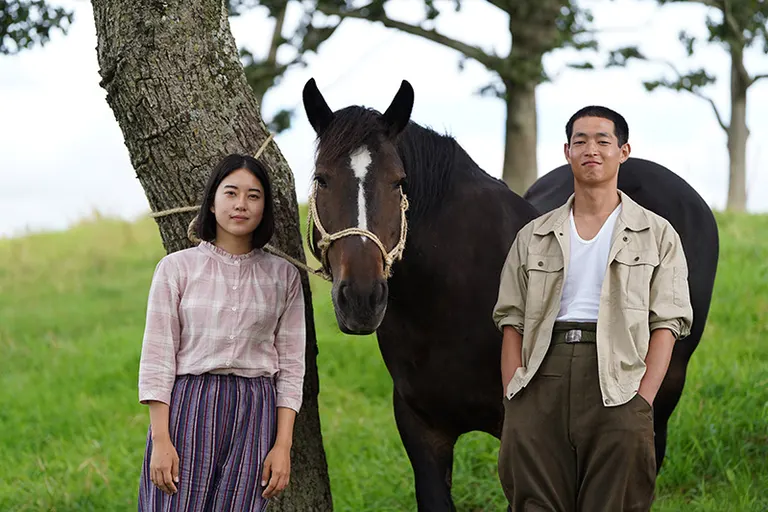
(277, 35)
(714, 108)
(737, 56)
(711, 3)
(490, 61)
(737, 46)
(277, 40)
(695, 92)
(756, 78)
(737, 31)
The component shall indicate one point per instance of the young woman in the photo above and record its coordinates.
(222, 361)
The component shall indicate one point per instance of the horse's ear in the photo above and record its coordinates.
(319, 113)
(399, 112)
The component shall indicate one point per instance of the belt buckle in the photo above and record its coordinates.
(573, 336)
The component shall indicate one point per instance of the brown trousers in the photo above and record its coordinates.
(562, 450)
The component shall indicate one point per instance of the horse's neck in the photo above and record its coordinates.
(433, 163)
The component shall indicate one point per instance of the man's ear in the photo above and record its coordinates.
(626, 149)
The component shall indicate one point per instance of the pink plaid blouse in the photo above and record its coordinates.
(213, 312)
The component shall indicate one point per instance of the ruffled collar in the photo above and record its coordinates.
(225, 257)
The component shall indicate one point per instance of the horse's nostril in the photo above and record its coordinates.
(342, 296)
(379, 292)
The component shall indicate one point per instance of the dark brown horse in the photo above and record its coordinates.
(432, 317)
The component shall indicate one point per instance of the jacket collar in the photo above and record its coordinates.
(632, 215)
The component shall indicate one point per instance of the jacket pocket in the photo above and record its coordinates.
(634, 271)
(543, 272)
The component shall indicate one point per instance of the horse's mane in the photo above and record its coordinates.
(430, 161)
(429, 158)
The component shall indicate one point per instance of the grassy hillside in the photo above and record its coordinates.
(72, 434)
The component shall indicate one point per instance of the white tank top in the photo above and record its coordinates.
(587, 264)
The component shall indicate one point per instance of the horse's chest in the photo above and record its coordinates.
(419, 372)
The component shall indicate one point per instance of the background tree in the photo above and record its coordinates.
(264, 73)
(25, 23)
(176, 86)
(536, 28)
(736, 25)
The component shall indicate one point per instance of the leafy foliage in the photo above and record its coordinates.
(25, 23)
(263, 73)
(734, 24)
(530, 24)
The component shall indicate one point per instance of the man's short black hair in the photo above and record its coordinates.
(620, 127)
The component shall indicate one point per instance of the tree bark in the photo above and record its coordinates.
(520, 160)
(178, 92)
(738, 133)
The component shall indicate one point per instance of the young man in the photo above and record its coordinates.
(592, 297)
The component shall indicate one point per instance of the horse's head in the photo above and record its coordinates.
(357, 203)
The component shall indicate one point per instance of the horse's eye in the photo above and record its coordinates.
(321, 182)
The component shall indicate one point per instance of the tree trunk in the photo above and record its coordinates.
(737, 137)
(520, 162)
(177, 89)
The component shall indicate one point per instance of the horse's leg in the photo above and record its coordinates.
(431, 454)
(666, 400)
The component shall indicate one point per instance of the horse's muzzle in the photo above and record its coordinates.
(359, 307)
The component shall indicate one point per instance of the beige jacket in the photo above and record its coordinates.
(645, 288)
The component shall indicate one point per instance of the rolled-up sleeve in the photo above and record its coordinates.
(670, 301)
(513, 288)
(157, 367)
(290, 343)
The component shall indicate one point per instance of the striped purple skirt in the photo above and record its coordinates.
(222, 427)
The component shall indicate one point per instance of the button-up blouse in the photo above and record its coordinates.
(213, 312)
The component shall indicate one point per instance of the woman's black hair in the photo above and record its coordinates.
(206, 219)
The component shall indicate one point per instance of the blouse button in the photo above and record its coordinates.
(234, 309)
(231, 336)
(234, 287)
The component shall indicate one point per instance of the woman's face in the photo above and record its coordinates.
(238, 204)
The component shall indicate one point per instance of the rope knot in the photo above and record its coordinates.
(324, 243)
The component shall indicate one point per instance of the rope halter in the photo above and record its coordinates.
(326, 239)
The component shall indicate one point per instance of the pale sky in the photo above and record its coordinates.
(62, 155)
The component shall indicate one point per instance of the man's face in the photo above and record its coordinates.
(594, 152)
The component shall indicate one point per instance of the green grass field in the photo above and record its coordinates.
(72, 433)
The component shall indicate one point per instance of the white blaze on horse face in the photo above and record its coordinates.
(359, 160)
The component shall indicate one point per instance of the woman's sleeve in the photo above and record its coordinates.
(290, 343)
(157, 367)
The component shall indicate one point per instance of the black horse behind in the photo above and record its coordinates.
(663, 192)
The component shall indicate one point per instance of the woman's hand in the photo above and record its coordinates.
(164, 466)
(277, 470)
